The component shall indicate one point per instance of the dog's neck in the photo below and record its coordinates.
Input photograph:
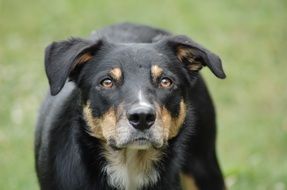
(131, 169)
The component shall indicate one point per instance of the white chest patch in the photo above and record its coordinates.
(131, 169)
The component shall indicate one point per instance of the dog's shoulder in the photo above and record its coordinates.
(53, 110)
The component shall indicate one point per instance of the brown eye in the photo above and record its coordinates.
(107, 83)
(165, 82)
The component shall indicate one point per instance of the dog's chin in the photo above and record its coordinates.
(139, 144)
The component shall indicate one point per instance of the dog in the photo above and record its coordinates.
(128, 110)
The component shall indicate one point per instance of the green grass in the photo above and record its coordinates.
(250, 36)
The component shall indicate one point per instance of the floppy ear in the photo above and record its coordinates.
(61, 58)
(194, 56)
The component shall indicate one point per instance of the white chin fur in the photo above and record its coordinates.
(124, 169)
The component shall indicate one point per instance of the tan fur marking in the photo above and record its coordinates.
(84, 58)
(186, 53)
(116, 73)
(183, 53)
(156, 72)
(187, 182)
(146, 159)
(195, 66)
(172, 125)
(103, 127)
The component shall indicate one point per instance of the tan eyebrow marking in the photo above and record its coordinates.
(156, 72)
(116, 73)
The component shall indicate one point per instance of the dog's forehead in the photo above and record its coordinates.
(133, 56)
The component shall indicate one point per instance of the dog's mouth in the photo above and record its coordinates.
(140, 143)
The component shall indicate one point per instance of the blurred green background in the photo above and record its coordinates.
(249, 35)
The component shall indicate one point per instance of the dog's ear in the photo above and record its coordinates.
(194, 56)
(61, 59)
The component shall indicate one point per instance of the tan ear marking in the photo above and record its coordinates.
(194, 66)
(84, 58)
(184, 53)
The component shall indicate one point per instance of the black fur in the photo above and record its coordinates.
(67, 157)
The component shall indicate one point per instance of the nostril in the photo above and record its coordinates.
(134, 118)
(150, 118)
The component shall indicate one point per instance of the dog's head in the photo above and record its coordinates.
(134, 95)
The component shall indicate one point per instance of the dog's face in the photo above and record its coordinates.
(134, 95)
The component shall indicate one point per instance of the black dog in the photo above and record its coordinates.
(137, 114)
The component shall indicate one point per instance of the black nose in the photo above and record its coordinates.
(141, 117)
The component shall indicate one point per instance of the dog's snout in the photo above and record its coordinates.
(141, 117)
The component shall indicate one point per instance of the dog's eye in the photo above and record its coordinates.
(107, 83)
(165, 82)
